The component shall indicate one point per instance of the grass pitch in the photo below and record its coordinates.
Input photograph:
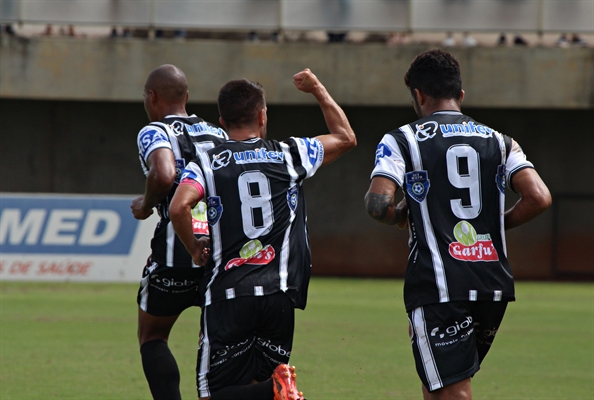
(78, 341)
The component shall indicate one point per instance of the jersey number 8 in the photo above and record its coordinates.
(256, 204)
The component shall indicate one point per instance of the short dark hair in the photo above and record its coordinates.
(240, 101)
(435, 73)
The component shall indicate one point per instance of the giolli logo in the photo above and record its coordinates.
(471, 246)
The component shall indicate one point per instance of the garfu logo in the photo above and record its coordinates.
(471, 246)
(426, 131)
(252, 253)
(200, 219)
(221, 160)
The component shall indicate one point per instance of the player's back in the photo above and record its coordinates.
(455, 184)
(185, 136)
(256, 212)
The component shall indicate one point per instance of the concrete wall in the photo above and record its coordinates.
(357, 74)
(79, 135)
(90, 147)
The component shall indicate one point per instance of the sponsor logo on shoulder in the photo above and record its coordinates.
(426, 131)
(471, 246)
(466, 129)
(381, 152)
(259, 156)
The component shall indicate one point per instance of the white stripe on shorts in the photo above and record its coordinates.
(422, 342)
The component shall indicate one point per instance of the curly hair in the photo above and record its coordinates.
(435, 73)
(240, 101)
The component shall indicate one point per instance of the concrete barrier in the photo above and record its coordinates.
(357, 74)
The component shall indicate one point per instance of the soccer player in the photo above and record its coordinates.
(454, 172)
(260, 258)
(170, 278)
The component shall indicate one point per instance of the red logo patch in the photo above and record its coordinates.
(482, 250)
(263, 257)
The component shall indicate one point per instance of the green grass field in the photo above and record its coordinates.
(78, 341)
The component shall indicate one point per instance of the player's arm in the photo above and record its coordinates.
(159, 182)
(535, 198)
(180, 212)
(341, 137)
(380, 203)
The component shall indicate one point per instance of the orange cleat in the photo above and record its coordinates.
(285, 387)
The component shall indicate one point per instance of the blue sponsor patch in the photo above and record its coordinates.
(417, 185)
(214, 209)
(66, 225)
(149, 137)
(292, 197)
(381, 152)
(313, 149)
(188, 174)
(179, 169)
(500, 178)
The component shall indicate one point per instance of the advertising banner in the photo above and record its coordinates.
(72, 238)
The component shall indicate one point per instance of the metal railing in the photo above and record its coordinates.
(365, 15)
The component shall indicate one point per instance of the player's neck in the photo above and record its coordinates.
(174, 110)
(436, 105)
(243, 133)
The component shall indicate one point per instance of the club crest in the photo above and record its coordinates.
(500, 178)
(417, 185)
(214, 210)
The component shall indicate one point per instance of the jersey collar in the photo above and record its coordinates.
(447, 112)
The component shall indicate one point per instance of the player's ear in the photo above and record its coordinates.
(462, 93)
(420, 96)
(223, 124)
(262, 117)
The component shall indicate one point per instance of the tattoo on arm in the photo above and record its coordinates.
(380, 207)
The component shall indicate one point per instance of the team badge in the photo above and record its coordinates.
(214, 210)
(417, 185)
(179, 168)
(500, 178)
(292, 195)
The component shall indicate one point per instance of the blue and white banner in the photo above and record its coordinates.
(72, 237)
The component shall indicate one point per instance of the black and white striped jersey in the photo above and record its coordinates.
(257, 216)
(453, 171)
(185, 137)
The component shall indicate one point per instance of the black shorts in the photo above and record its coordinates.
(243, 339)
(450, 340)
(167, 291)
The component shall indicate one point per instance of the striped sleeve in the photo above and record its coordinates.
(516, 161)
(193, 176)
(308, 155)
(389, 162)
(150, 138)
